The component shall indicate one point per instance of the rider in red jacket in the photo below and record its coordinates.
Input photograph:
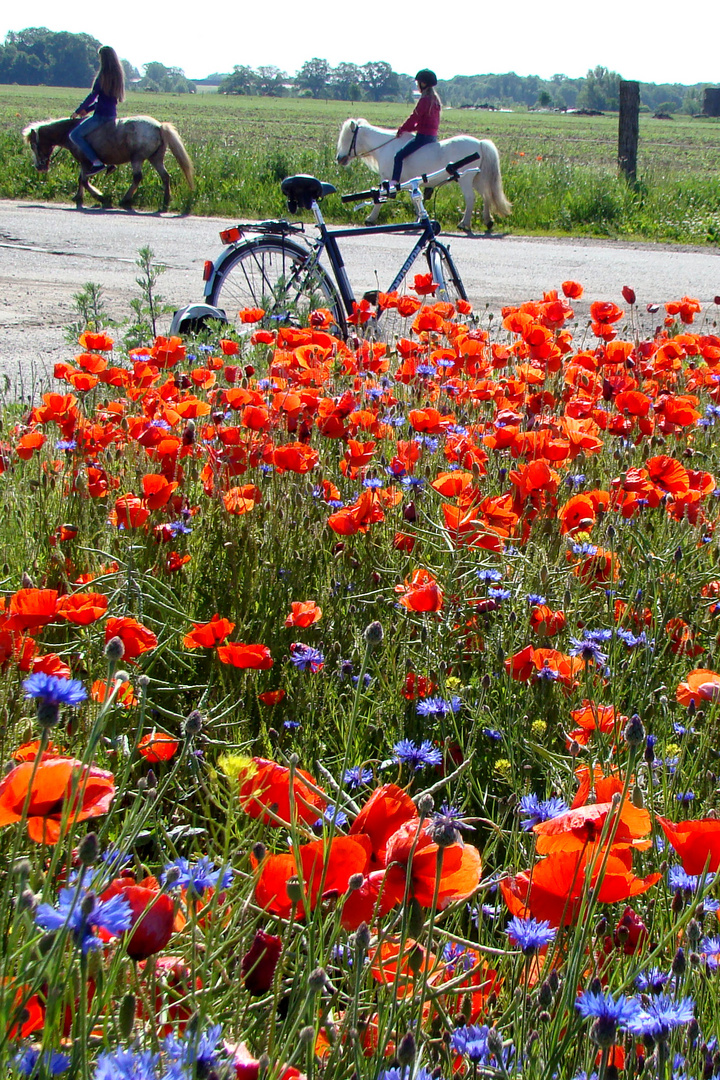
(424, 120)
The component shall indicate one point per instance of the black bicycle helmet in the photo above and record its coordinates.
(426, 77)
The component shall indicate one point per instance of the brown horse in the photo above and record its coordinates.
(136, 139)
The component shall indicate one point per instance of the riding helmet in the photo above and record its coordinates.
(426, 77)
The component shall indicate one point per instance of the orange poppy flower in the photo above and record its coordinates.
(701, 684)
(420, 592)
(32, 608)
(82, 609)
(208, 635)
(130, 512)
(28, 444)
(257, 657)
(572, 289)
(303, 613)
(696, 842)
(271, 697)
(584, 825)
(135, 637)
(358, 517)
(547, 622)
(96, 342)
(327, 863)
(386, 810)
(28, 751)
(265, 786)
(157, 746)
(125, 694)
(157, 490)
(57, 787)
(594, 717)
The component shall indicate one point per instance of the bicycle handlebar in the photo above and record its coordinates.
(452, 169)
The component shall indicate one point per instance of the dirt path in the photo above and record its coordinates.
(49, 251)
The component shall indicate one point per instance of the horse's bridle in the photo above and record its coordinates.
(352, 152)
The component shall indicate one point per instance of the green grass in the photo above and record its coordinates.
(559, 170)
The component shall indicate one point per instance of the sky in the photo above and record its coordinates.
(651, 43)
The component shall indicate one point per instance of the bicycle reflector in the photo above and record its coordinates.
(230, 236)
(208, 268)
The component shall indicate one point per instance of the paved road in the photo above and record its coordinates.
(48, 251)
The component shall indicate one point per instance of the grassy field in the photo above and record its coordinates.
(559, 170)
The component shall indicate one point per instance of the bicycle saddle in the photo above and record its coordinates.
(302, 190)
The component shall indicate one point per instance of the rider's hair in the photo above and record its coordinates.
(431, 92)
(111, 74)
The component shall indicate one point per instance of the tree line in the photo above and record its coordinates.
(38, 56)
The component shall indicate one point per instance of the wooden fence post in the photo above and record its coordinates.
(628, 128)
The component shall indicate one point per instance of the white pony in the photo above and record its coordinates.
(377, 148)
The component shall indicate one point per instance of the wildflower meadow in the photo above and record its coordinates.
(360, 699)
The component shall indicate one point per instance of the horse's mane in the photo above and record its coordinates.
(28, 131)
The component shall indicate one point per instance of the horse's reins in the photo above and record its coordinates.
(352, 149)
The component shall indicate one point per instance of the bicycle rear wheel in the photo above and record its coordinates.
(277, 275)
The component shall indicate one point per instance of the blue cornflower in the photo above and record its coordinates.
(330, 814)
(588, 650)
(534, 598)
(534, 810)
(196, 877)
(372, 482)
(490, 577)
(178, 528)
(82, 912)
(633, 641)
(66, 444)
(356, 776)
(547, 674)
(661, 1014)
(305, 658)
(454, 954)
(405, 1073)
(651, 981)
(710, 949)
(530, 934)
(430, 442)
(685, 796)
(425, 369)
(198, 1049)
(122, 1064)
(408, 753)
(472, 1041)
(584, 549)
(445, 826)
(575, 480)
(492, 733)
(499, 594)
(415, 482)
(438, 707)
(679, 880)
(608, 1013)
(51, 1061)
(53, 690)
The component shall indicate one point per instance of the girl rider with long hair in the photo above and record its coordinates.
(424, 120)
(102, 102)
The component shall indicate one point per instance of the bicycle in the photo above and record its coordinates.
(279, 271)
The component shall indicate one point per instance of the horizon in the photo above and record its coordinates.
(643, 50)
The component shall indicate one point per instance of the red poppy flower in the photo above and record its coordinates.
(130, 512)
(266, 786)
(701, 684)
(135, 637)
(157, 490)
(28, 751)
(152, 914)
(572, 289)
(96, 342)
(257, 657)
(157, 746)
(330, 863)
(125, 694)
(82, 609)
(303, 613)
(271, 697)
(696, 842)
(259, 962)
(32, 608)
(208, 635)
(58, 785)
(420, 592)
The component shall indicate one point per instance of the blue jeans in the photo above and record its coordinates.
(78, 135)
(415, 143)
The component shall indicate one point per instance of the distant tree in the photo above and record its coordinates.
(241, 80)
(131, 72)
(166, 80)
(544, 99)
(345, 82)
(313, 76)
(38, 55)
(379, 81)
(271, 81)
(601, 90)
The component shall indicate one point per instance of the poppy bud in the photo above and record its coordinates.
(193, 723)
(628, 294)
(259, 851)
(317, 980)
(126, 1016)
(410, 513)
(88, 849)
(694, 932)
(294, 889)
(362, 938)
(415, 959)
(373, 634)
(27, 581)
(634, 732)
(115, 649)
(407, 1049)
(259, 963)
(355, 882)
(27, 901)
(306, 1035)
(679, 963)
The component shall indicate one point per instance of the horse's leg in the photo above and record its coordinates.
(78, 200)
(468, 190)
(158, 163)
(136, 165)
(372, 217)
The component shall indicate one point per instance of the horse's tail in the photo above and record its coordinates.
(489, 180)
(174, 143)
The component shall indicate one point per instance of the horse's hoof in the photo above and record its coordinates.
(369, 221)
(465, 229)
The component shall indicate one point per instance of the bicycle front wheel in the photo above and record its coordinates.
(277, 275)
(445, 273)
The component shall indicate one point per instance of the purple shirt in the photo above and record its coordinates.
(106, 105)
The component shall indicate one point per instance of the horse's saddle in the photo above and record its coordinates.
(302, 191)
